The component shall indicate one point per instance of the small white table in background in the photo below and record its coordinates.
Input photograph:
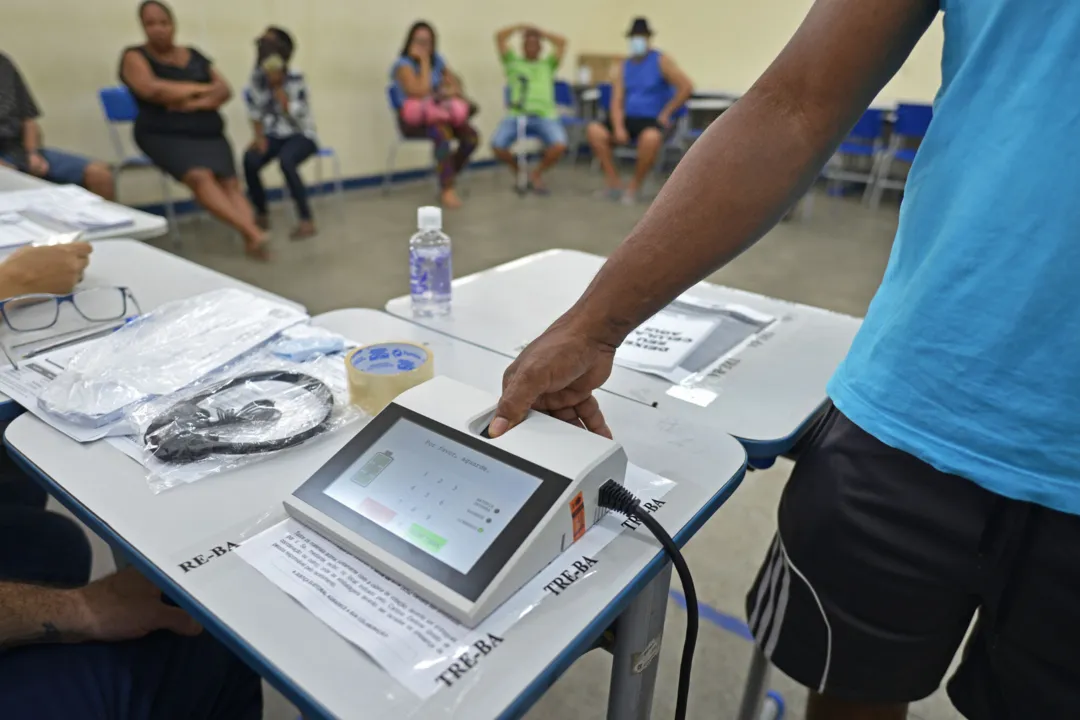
(320, 672)
(144, 226)
(154, 277)
(767, 396)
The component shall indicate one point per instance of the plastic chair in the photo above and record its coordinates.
(322, 152)
(395, 101)
(571, 117)
(912, 122)
(864, 143)
(120, 109)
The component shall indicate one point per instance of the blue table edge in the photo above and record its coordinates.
(308, 706)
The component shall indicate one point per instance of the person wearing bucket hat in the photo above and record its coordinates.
(645, 92)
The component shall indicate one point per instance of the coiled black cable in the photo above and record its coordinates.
(185, 432)
(615, 497)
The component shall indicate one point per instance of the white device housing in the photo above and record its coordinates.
(587, 460)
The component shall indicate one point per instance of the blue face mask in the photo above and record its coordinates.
(639, 45)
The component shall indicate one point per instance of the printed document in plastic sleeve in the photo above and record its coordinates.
(417, 644)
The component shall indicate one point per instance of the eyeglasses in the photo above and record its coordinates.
(25, 313)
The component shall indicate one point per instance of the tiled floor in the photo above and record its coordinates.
(832, 258)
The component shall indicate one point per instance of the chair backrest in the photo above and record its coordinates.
(118, 104)
(604, 103)
(564, 94)
(869, 126)
(394, 98)
(913, 120)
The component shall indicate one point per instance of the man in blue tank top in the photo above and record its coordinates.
(944, 483)
(645, 93)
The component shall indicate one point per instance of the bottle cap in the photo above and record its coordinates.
(429, 218)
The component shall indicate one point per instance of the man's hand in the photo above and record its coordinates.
(50, 269)
(126, 606)
(664, 119)
(557, 374)
(260, 144)
(37, 165)
(621, 136)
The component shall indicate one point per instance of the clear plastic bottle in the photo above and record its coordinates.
(430, 271)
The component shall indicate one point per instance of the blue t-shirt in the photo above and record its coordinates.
(438, 66)
(969, 357)
(646, 89)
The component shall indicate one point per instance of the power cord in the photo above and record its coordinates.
(615, 497)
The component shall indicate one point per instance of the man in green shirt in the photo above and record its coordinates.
(531, 81)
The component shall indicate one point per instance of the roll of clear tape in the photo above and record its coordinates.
(379, 373)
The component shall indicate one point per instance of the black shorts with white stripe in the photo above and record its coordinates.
(879, 566)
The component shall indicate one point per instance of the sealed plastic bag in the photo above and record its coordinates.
(162, 352)
(257, 406)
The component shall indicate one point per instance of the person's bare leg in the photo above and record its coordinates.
(648, 147)
(507, 157)
(98, 179)
(213, 195)
(552, 155)
(821, 707)
(253, 244)
(600, 142)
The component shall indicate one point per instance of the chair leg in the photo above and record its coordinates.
(170, 212)
(879, 181)
(522, 155)
(339, 185)
(388, 177)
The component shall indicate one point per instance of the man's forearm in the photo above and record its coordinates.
(31, 614)
(682, 94)
(31, 135)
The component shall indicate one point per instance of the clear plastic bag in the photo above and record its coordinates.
(254, 408)
(162, 352)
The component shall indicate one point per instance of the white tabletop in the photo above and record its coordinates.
(764, 399)
(322, 673)
(154, 276)
(145, 225)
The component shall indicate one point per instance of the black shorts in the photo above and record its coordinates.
(635, 126)
(879, 566)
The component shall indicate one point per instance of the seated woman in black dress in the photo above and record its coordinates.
(178, 127)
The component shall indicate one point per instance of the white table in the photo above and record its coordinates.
(145, 225)
(765, 397)
(154, 276)
(319, 671)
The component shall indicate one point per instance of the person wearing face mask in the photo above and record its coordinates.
(645, 93)
(277, 103)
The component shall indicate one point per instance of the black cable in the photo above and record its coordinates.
(184, 432)
(615, 497)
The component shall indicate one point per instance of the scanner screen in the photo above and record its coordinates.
(447, 499)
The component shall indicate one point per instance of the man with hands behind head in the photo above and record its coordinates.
(943, 484)
(105, 650)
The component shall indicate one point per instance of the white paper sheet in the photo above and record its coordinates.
(418, 645)
(663, 341)
(68, 205)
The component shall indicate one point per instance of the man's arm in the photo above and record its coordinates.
(558, 46)
(733, 185)
(756, 159)
(502, 38)
(119, 607)
(684, 88)
(617, 109)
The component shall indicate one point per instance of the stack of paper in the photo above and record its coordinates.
(28, 216)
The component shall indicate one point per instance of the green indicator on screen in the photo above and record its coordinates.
(372, 468)
(425, 539)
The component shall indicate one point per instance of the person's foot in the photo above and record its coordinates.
(537, 185)
(613, 194)
(256, 246)
(630, 197)
(263, 221)
(450, 199)
(304, 229)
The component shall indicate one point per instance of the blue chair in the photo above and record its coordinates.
(862, 145)
(912, 122)
(571, 117)
(323, 152)
(120, 109)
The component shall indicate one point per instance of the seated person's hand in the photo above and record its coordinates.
(37, 165)
(50, 269)
(126, 606)
(621, 136)
(664, 119)
(260, 145)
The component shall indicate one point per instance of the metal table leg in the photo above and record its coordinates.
(757, 682)
(638, 634)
